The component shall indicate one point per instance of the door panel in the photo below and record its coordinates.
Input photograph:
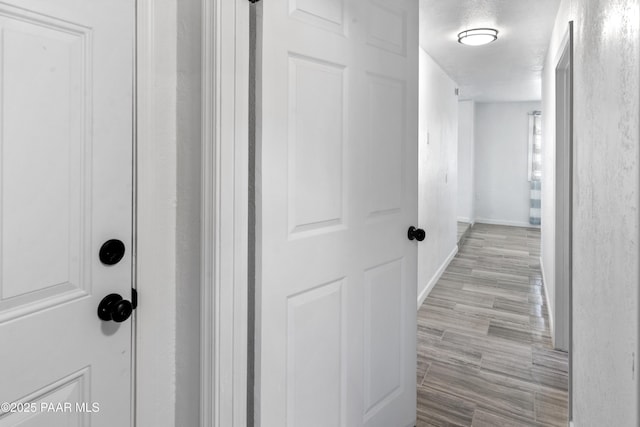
(336, 192)
(383, 337)
(42, 79)
(316, 149)
(66, 112)
(324, 14)
(386, 135)
(387, 26)
(312, 350)
(43, 408)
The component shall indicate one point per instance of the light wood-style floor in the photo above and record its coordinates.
(484, 350)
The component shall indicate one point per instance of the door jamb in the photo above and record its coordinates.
(225, 210)
(564, 163)
(155, 172)
(563, 168)
(225, 73)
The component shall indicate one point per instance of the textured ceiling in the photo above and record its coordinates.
(508, 69)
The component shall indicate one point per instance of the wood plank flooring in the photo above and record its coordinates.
(484, 350)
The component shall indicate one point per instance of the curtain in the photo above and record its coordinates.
(535, 166)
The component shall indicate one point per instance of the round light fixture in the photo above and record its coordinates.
(477, 36)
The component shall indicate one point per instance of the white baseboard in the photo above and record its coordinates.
(467, 220)
(505, 222)
(425, 292)
(549, 310)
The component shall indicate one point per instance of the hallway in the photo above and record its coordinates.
(484, 351)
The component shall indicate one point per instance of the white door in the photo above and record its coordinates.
(66, 122)
(336, 193)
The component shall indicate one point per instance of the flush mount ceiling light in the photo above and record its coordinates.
(477, 36)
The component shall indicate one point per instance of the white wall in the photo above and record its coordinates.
(605, 207)
(502, 189)
(466, 161)
(438, 158)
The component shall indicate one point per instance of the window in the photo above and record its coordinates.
(535, 166)
(535, 146)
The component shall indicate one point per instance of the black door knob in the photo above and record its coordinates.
(416, 233)
(114, 307)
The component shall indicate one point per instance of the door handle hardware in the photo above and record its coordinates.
(416, 233)
(111, 252)
(114, 307)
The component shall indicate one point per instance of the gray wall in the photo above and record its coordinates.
(188, 214)
(606, 205)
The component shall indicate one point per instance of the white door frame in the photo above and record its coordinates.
(155, 217)
(562, 335)
(225, 58)
(563, 209)
(225, 168)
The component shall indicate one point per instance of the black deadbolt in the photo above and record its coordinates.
(114, 307)
(111, 252)
(416, 233)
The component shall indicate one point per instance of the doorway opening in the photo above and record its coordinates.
(488, 310)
